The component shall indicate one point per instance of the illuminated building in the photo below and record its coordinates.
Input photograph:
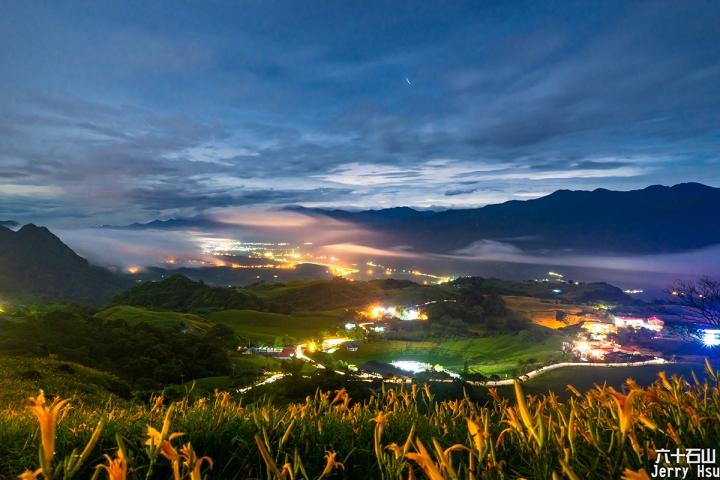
(652, 323)
(599, 328)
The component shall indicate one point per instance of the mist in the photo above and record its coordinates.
(355, 246)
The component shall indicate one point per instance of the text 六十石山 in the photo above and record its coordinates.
(695, 462)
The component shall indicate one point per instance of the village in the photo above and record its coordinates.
(599, 339)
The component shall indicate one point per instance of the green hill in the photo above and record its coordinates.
(180, 294)
(565, 292)
(22, 377)
(134, 315)
(319, 295)
(338, 293)
(268, 326)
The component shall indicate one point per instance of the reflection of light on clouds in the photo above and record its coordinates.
(362, 249)
(130, 248)
(266, 218)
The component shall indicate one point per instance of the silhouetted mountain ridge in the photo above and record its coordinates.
(367, 217)
(34, 261)
(656, 219)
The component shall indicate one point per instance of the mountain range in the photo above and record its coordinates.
(33, 261)
(367, 217)
(656, 219)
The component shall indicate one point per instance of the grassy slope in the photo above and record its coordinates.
(268, 326)
(496, 354)
(137, 315)
(88, 384)
(333, 296)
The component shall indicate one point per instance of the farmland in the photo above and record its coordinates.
(496, 354)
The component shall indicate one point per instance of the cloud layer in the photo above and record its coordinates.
(169, 111)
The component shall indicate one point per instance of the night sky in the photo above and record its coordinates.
(117, 112)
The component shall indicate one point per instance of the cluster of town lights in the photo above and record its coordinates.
(394, 312)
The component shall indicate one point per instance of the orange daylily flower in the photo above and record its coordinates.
(423, 459)
(625, 409)
(116, 468)
(381, 419)
(493, 393)
(47, 418)
(630, 475)
(169, 452)
(28, 475)
(156, 438)
(331, 464)
(192, 462)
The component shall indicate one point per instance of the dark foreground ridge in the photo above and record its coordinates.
(34, 261)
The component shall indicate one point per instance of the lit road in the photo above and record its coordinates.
(299, 354)
(272, 379)
(534, 373)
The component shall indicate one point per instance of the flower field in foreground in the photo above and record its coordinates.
(401, 433)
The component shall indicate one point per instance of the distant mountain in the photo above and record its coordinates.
(172, 224)
(364, 217)
(367, 217)
(34, 261)
(656, 219)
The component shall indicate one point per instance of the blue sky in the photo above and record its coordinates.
(116, 112)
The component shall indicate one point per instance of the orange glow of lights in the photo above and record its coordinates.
(133, 270)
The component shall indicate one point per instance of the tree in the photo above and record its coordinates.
(697, 302)
(494, 305)
(222, 335)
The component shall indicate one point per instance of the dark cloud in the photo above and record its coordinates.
(260, 103)
(452, 193)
